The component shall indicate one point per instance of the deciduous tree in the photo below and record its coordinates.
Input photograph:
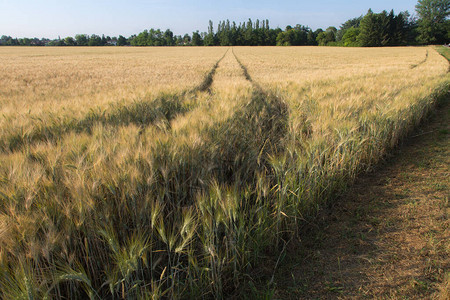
(433, 22)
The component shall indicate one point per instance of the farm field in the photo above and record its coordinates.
(172, 172)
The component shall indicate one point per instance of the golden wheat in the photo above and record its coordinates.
(214, 157)
(71, 81)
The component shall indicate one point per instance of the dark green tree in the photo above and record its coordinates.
(196, 39)
(81, 39)
(95, 40)
(371, 30)
(326, 37)
(186, 39)
(433, 24)
(210, 38)
(248, 33)
(25, 42)
(122, 41)
(104, 40)
(168, 38)
(297, 36)
(384, 29)
(352, 23)
(69, 41)
(178, 40)
(311, 38)
(350, 38)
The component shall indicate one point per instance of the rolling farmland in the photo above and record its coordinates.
(167, 172)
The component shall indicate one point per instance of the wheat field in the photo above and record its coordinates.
(137, 173)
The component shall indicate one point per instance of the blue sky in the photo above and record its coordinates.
(50, 18)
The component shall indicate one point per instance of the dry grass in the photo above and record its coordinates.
(210, 162)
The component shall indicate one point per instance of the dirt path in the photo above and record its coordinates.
(389, 238)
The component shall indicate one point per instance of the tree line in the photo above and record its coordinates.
(431, 26)
(79, 40)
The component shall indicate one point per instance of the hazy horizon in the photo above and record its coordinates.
(51, 18)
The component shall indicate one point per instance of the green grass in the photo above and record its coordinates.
(444, 51)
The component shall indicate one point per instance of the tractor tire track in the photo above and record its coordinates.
(421, 62)
(143, 113)
(245, 72)
(209, 78)
(274, 116)
(235, 150)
